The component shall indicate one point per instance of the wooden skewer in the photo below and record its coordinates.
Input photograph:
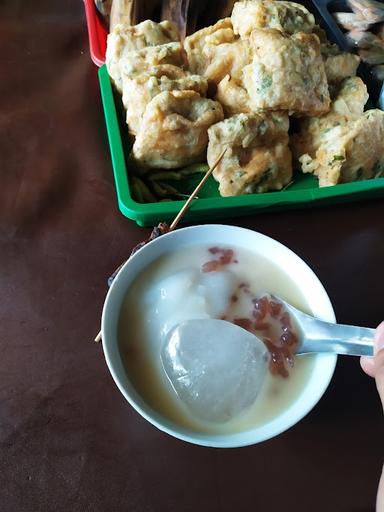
(182, 212)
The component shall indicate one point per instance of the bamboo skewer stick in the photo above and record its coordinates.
(184, 209)
(181, 213)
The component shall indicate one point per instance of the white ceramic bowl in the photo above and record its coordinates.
(281, 256)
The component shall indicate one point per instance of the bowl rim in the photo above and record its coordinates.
(324, 365)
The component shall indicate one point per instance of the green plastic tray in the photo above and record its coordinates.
(304, 192)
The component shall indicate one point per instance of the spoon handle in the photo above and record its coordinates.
(336, 338)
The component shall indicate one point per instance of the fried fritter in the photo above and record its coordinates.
(345, 144)
(139, 91)
(257, 157)
(215, 52)
(233, 96)
(286, 73)
(173, 130)
(126, 39)
(194, 44)
(226, 59)
(349, 152)
(351, 97)
(287, 17)
(340, 66)
(143, 61)
(349, 103)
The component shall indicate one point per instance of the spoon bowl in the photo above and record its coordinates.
(319, 336)
(218, 368)
(314, 335)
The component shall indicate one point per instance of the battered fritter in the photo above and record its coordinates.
(346, 144)
(216, 51)
(123, 40)
(286, 73)
(257, 158)
(173, 130)
(288, 17)
(139, 91)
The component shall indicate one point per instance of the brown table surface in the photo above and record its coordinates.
(69, 441)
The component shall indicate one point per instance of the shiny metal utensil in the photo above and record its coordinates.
(314, 334)
(318, 336)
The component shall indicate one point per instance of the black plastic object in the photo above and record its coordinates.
(324, 10)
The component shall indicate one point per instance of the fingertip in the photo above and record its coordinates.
(379, 372)
(368, 365)
(379, 338)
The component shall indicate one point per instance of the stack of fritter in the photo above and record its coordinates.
(265, 64)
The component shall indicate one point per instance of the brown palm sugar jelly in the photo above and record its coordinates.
(269, 320)
(169, 291)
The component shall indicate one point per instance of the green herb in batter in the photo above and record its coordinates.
(269, 175)
(239, 174)
(265, 83)
(263, 127)
(337, 158)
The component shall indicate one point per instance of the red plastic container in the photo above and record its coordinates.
(97, 33)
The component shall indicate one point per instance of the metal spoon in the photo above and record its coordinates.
(319, 336)
(314, 335)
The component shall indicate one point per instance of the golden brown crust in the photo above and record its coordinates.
(174, 130)
(216, 51)
(341, 66)
(194, 44)
(124, 39)
(345, 144)
(139, 91)
(288, 17)
(287, 73)
(257, 157)
(233, 96)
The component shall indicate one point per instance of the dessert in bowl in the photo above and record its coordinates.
(213, 271)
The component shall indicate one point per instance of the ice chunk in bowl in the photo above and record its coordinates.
(215, 372)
